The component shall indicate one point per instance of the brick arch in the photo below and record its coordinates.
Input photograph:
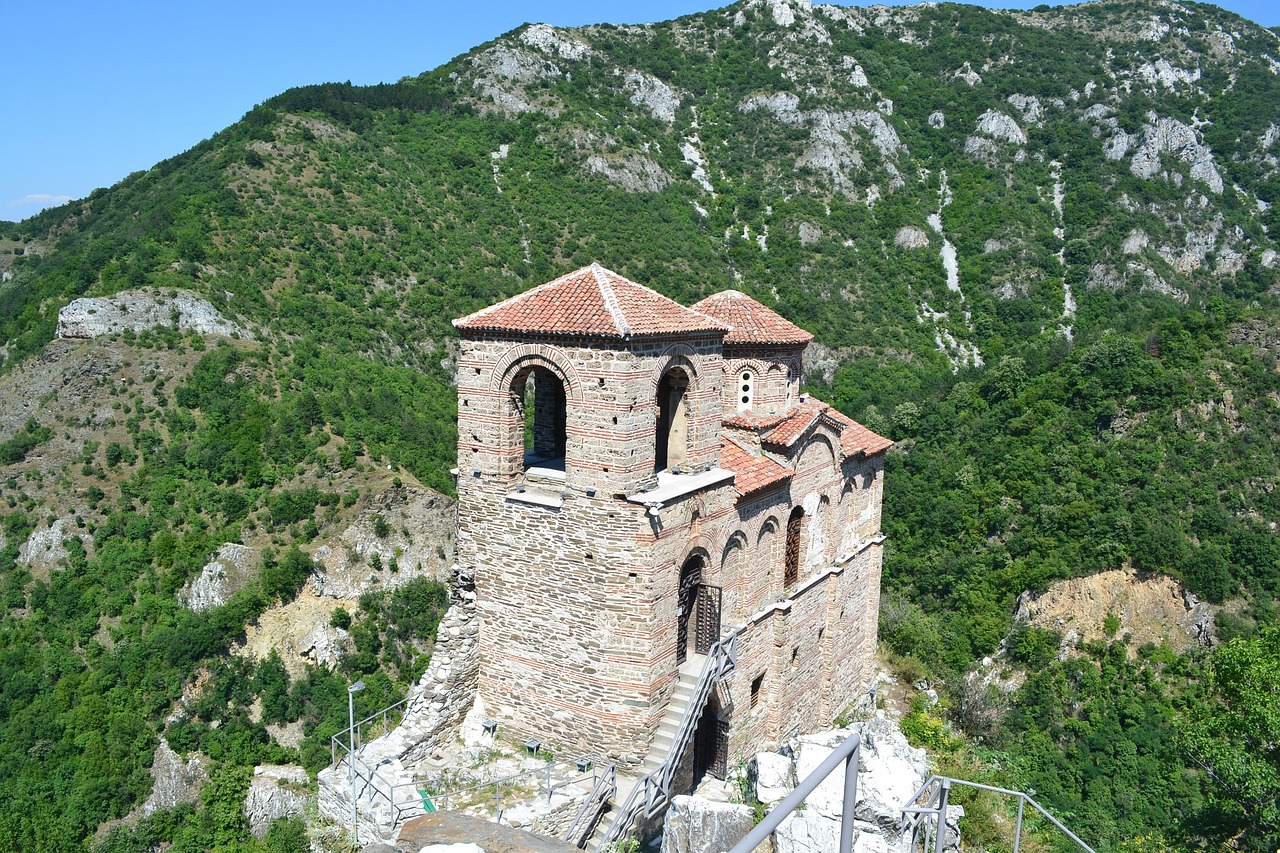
(522, 356)
(755, 365)
(736, 539)
(815, 443)
(676, 355)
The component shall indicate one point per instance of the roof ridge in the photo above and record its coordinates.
(611, 299)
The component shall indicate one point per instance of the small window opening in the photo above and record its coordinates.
(756, 684)
(746, 390)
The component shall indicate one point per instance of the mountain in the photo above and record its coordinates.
(1037, 248)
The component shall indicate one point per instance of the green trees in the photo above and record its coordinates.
(1233, 736)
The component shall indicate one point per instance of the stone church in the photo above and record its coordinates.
(637, 480)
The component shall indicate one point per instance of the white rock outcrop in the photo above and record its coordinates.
(276, 791)
(553, 40)
(1135, 243)
(230, 569)
(1168, 136)
(650, 92)
(890, 771)
(835, 138)
(997, 125)
(695, 825)
(138, 310)
(1165, 75)
(633, 172)
(174, 781)
(43, 549)
(911, 237)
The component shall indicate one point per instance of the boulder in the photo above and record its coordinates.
(694, 825)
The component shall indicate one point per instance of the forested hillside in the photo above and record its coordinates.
(1037, 249)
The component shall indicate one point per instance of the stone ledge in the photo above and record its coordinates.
(535, 499)
(674, 486)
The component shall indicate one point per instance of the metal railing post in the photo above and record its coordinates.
(1017, 833)
(850, 800)
(940, 834)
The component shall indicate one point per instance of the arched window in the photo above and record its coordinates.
(746, 390)
(671, 439)
(539, 395)
(791, 562)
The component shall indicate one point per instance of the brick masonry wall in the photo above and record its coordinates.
(577, 594)
(775, 376)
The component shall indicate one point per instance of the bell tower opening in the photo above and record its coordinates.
(539, 396)
(671, 440)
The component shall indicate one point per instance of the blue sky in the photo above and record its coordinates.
(98, 90)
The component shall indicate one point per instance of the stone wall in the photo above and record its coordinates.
(578, 586)
(775, 375)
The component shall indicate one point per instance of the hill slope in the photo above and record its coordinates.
(1038, 248)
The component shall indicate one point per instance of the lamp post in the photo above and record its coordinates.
(351, 756)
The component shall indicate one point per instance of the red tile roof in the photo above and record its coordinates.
(591, 302)
(787, 429)
(799, 419)
(855, 438)
(753, 421)
(750, 322)
(751, 473)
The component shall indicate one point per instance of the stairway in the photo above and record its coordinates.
(384, 795)
(686, 685)
(659, 750)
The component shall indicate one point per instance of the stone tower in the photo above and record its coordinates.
(636, 478)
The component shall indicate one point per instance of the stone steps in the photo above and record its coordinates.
(659, 750)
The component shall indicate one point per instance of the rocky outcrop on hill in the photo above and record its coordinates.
(232, 567)
(404, 532)
(1151, 609)
(276, 791)
(44, 549)
(138, 310)
(174, 781)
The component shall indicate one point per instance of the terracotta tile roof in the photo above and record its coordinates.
(750, 322)
(753, 421)
(855, 438)
(590, 302)
(785, 430)
(798, 421)
(751, 473)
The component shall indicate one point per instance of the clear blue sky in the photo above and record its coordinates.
(98, 90)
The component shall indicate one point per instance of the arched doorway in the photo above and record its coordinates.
(686, 603)
(711, 742)
(671, 439)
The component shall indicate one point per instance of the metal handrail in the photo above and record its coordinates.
(847, 753)
(938, 808)
(652, 793)
(353, 732)
(592, 807)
